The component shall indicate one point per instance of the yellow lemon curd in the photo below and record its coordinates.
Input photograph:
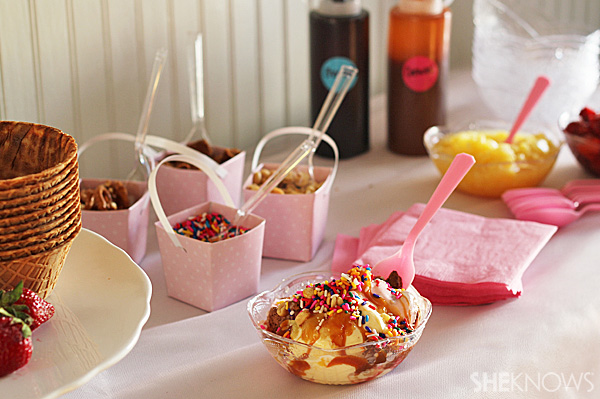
(499, 166)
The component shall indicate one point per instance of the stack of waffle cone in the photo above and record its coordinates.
(40, 212)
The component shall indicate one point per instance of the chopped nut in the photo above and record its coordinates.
(302, 316)
(295, 182)
(281, 310)
(308, 292)
(257, 178)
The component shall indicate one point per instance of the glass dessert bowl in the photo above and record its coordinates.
(499, 166)
(582, 133)
(333, 360)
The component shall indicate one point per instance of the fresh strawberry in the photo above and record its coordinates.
(8, 301)
(594, 124)
(40, 310)
(587, 114)
(15, 343)
(577, 128)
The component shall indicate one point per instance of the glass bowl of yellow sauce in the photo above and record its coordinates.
(499, 166)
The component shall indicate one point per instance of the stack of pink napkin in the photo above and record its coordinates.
(460, 258)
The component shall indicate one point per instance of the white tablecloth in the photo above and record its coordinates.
(544, 344)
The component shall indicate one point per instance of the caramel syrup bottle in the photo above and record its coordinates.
(418, 48)
(339, 35)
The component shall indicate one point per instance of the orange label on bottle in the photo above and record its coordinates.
(420, 73)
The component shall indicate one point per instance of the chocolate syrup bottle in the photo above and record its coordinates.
(339, 35)
(418, 48)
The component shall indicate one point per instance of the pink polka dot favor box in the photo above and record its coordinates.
(296, 212)
(205, 274)
(295, 222)
(180, 189)
(124, 227)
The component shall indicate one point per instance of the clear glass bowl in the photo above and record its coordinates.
(347, 365)
(491, 179)
(586, 149)
(514, 41)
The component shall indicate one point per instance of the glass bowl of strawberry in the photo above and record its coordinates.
(582, 134)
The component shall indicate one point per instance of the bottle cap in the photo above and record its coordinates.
(428, 7)
(339, 7)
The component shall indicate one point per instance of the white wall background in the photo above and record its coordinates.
(83, 66)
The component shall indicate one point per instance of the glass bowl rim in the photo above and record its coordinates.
(488, 124)
(413, 336)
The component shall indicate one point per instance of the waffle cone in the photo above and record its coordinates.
(39, 272)
(31, 153)
(42, 189)
(39, 247)
(52, 194)
(60, 198)
(21, 223)
(40, 232)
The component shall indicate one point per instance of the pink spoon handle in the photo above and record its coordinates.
(585, 198)
(453, 176)
(518, 194)
(402, 261)
(581, 184)
(540, 86)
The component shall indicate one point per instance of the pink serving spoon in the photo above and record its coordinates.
(557, 216)
(539, 87)
(524, 197)
(550, 201)
(402, 261)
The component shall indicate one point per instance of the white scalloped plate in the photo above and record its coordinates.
(102, 301)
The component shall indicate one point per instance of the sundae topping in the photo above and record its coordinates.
(350, 310)
(208, 227)
(295, 182)
(218, 154)
(111, 195)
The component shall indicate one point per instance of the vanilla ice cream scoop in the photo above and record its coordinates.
(340, 331)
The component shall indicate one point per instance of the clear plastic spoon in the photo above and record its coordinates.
(332, 102)
(159, 62)
(539, 87)
(402, 261)
(196, 83)
(556, 216)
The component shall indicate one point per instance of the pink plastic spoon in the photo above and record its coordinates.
(517, 207)
(585, 184)
(556, 216)
(582, 196)
(540, 86)
(402, 261)
(517, 194)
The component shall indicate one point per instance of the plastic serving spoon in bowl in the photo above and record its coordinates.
(140, 137)
(556, 216)
(540, 86)
(402, 261)
(196, 83)
(329, 108)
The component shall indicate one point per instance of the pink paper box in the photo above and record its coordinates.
(211, 276)
(180, 189)
(295, 223)
(125, 228)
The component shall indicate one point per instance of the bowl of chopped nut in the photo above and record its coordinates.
(296, 210)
